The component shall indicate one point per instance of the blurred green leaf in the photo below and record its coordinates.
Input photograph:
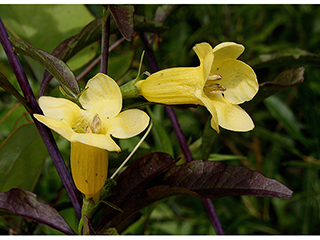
(23, 203)
(280, 111)
(22, 157)
(44, 25)
(54, 65)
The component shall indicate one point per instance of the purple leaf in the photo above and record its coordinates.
(123, 17)
(204, 179)
(218, 179)
(23, 203)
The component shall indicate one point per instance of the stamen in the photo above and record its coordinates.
(217, 89)
(214, 77)
(95, 125)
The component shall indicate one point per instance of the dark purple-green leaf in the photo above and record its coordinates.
(123, 17)
(54, 65)
(287, 57)
(217, 179)
(284, 80)
(23, 203)
(204, 179)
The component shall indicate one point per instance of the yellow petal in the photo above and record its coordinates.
(58, 126)
(102, 141)
(239, 79)
(209, 104)
(232, 117)
(102, 97)
(60, 109)
(171, 86)
(128, 123)
(89, 167)
(205, 55)
(225, 51)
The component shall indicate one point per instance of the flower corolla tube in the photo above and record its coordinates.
(220, 83)
(89, 129)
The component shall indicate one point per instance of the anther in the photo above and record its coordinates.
(214, 77)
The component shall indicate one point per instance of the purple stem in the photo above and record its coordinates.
(43, 130)
(181, 139)
(105, 42)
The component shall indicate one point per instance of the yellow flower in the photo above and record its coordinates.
(89, 129)
(220, 83)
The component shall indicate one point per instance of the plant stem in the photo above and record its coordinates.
(181, 139)
(43, 130)
(105, 40)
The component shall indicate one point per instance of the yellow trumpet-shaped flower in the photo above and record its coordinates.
(89, 129)
(220, 83)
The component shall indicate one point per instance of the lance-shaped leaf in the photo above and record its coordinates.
(123, 17)
(23, 203)
(204, 179)
(288, 57)
(5, 84)
(284, 80)
(132, 181)
(71, 46)
(54, 65)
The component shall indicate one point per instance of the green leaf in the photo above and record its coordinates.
(54, 65)
(288, 78)
(44, 25)
(5, 84)
(123, 17)
(280, 111)
(22, 157)
(24, 203)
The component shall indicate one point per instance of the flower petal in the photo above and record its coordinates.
(96, 140)
(209, 104)
(171, 86)
(225, 51)
(232, 117)
(205, 55)
(89, 167)
(58, 126)
(239, 79)
(60, 109)
(128, 123)
(103, 96)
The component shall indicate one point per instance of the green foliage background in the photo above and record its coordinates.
(284, 144)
